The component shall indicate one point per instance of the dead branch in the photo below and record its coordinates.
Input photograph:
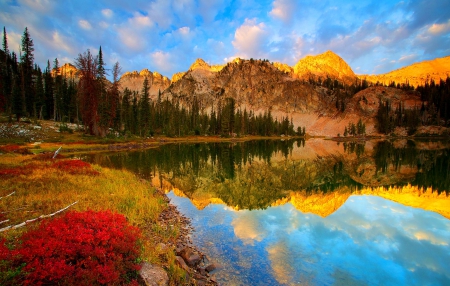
(3, 221)
(56, 153)
(8, 195)
(35, 219)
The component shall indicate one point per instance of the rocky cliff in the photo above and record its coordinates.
(134, 81)
(67, 70)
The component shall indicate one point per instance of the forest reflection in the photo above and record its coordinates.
(262, 173)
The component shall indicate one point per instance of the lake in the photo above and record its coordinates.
(315, 212)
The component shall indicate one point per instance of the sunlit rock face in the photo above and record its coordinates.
(134, 81)
(67, 70)
(325, 65)
(415, 74)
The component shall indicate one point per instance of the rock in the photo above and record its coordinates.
(163, 247)
(181, 263)
(211, 267)
(191, 258)
(153, 275)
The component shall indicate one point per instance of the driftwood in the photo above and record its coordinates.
(8, 195)
(35, 219)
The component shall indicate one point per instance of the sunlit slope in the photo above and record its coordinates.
(416, 74)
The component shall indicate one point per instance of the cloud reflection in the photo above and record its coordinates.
(368, 241)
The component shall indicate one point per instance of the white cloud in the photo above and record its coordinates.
(140, 21)
(184, 30)
(38, 5)
(108, 13)
(437, 29)
(407, 57)
(130, 38)
(61, 43)
(103, 24)
(161, 13)
(283, 9)
(250, 39)
(84, 24)
(162, 60)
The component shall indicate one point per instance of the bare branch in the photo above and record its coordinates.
(56, 152)
(8, 195)
(35, 219)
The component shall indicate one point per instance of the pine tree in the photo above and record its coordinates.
(58, 91)
(6, 89)
(126, 110)
(40, 94)
(114, 108)
(104, 102)
(48, 90)
(144, 109)
(26, 64)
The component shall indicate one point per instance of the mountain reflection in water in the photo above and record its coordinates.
(316, 176)
(276, 212)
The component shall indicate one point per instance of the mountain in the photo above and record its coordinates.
(416, 74)
(134, 81)
(67, 70)
(324, 65)
(254, 84)
(260, 86)
(305, 93)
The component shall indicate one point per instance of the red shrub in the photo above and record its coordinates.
(80, 248)
(11, 172)
(9, 148)
(75, 167)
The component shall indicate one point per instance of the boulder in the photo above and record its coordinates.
(190, 257)
(153, 275)
(181, 263)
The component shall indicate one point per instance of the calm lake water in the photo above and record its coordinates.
(290, 212)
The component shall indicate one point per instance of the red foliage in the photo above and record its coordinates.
(75, 167)
(9, 148)
(48, 156)
(12, 172)
(80, 248)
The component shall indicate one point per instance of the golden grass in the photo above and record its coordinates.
(44, 189)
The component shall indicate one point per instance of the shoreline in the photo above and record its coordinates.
(188, 257)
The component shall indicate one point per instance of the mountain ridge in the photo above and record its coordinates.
(416, 74)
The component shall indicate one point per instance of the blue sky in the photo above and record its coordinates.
(168, 35)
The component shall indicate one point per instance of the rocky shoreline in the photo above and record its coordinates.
(197, 266)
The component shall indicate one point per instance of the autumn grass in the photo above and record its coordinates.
(42, 186)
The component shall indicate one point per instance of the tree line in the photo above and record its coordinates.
(98, 104)
(145, 117)
(434, 110)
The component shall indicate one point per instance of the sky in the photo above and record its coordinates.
(167, 36)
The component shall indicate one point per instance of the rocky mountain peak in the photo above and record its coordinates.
(325, 65)
(67, 70)
(199, 64)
